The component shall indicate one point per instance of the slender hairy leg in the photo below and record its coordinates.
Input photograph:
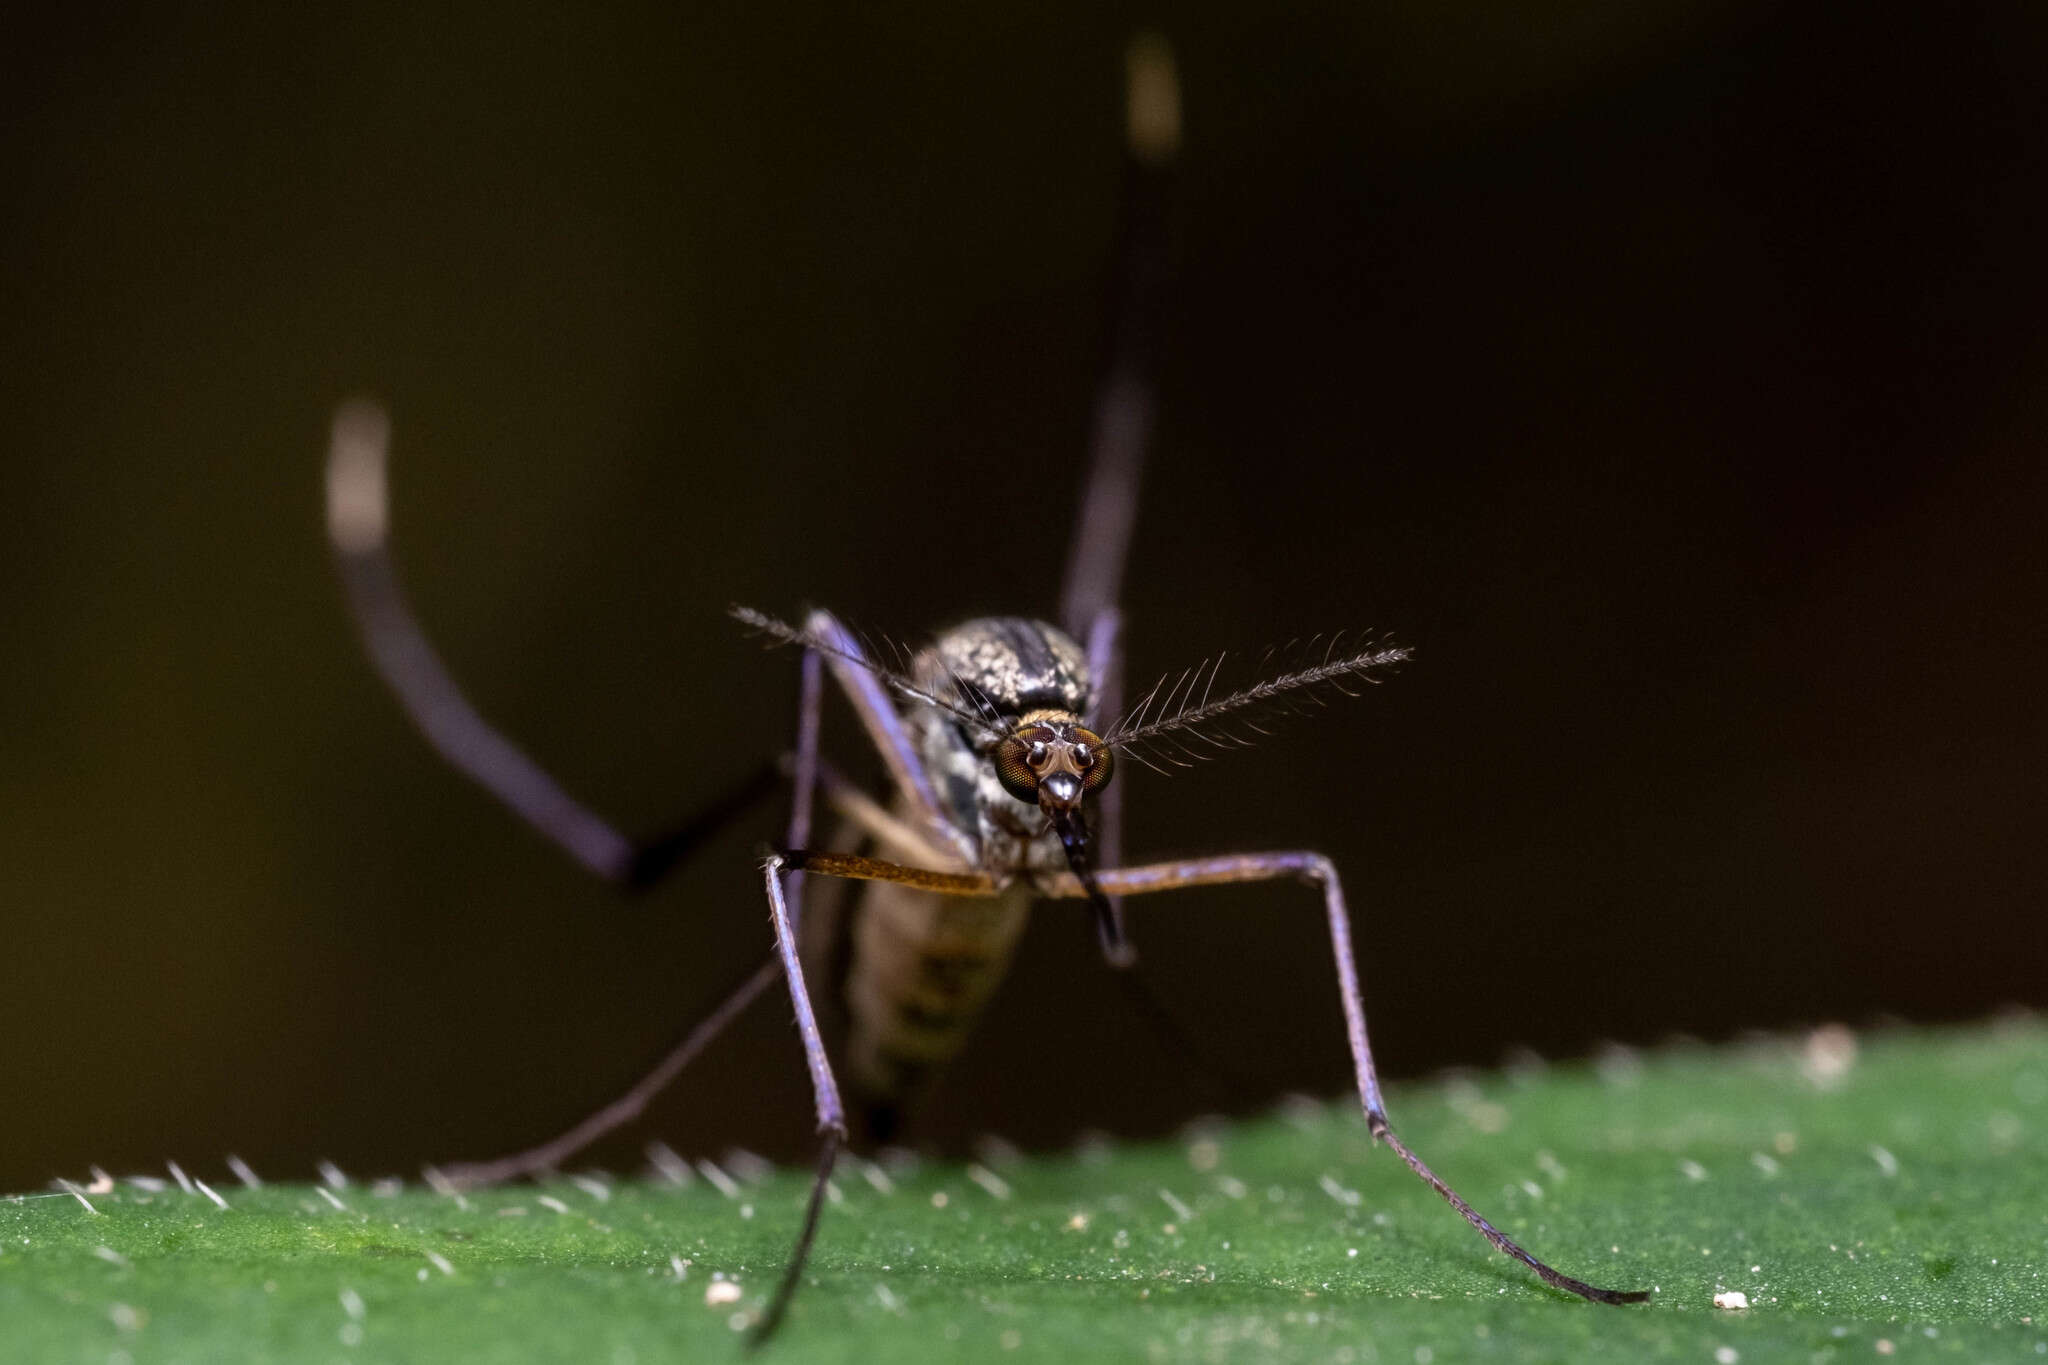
(783, 878)
(824, 1090)
(1106, 668)
(1317, 870)
(549, 1155)
(1312, 868)
(1123, 418)
(1124, 405)
(358, 520)
(808, 771)
(655, 858)
(787, 915)
(871, 818)
(879, 717)
(629, 1106)
(804, 770)
(855, 867)
(1161, 1016)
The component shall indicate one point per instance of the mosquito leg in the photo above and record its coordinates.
(807, 770)
(1106, 668)
(629, 1106)
(1155, 1010)
(824, 1090)
(1124, 405)
(879, 717)
(771, 1317)
(804, 767)
(871, 818)
(855, 867)
(549, 1155)
(1226, 1080)
(788, 924)
(654, 858)
(1317, 870)
(358, 520)
(1105, 646)
(1124, 414)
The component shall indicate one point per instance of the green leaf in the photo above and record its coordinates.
(1872, 1200)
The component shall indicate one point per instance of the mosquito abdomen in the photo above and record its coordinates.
(922, 967)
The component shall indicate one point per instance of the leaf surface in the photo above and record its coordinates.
(1892, 1203)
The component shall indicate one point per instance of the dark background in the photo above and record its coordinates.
(1670, 376)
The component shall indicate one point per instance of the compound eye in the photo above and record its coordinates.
(1013, 769)
(1093, 758)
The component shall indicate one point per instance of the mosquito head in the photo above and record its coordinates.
(1051, 761)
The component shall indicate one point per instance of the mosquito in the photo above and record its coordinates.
(1000, 741)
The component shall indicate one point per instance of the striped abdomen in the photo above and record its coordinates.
(921, 968)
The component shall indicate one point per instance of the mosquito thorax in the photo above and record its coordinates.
(1005, 667)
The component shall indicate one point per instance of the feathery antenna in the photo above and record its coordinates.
(895, 679)
(1177, 722)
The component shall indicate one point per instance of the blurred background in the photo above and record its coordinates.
(1671, 376)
